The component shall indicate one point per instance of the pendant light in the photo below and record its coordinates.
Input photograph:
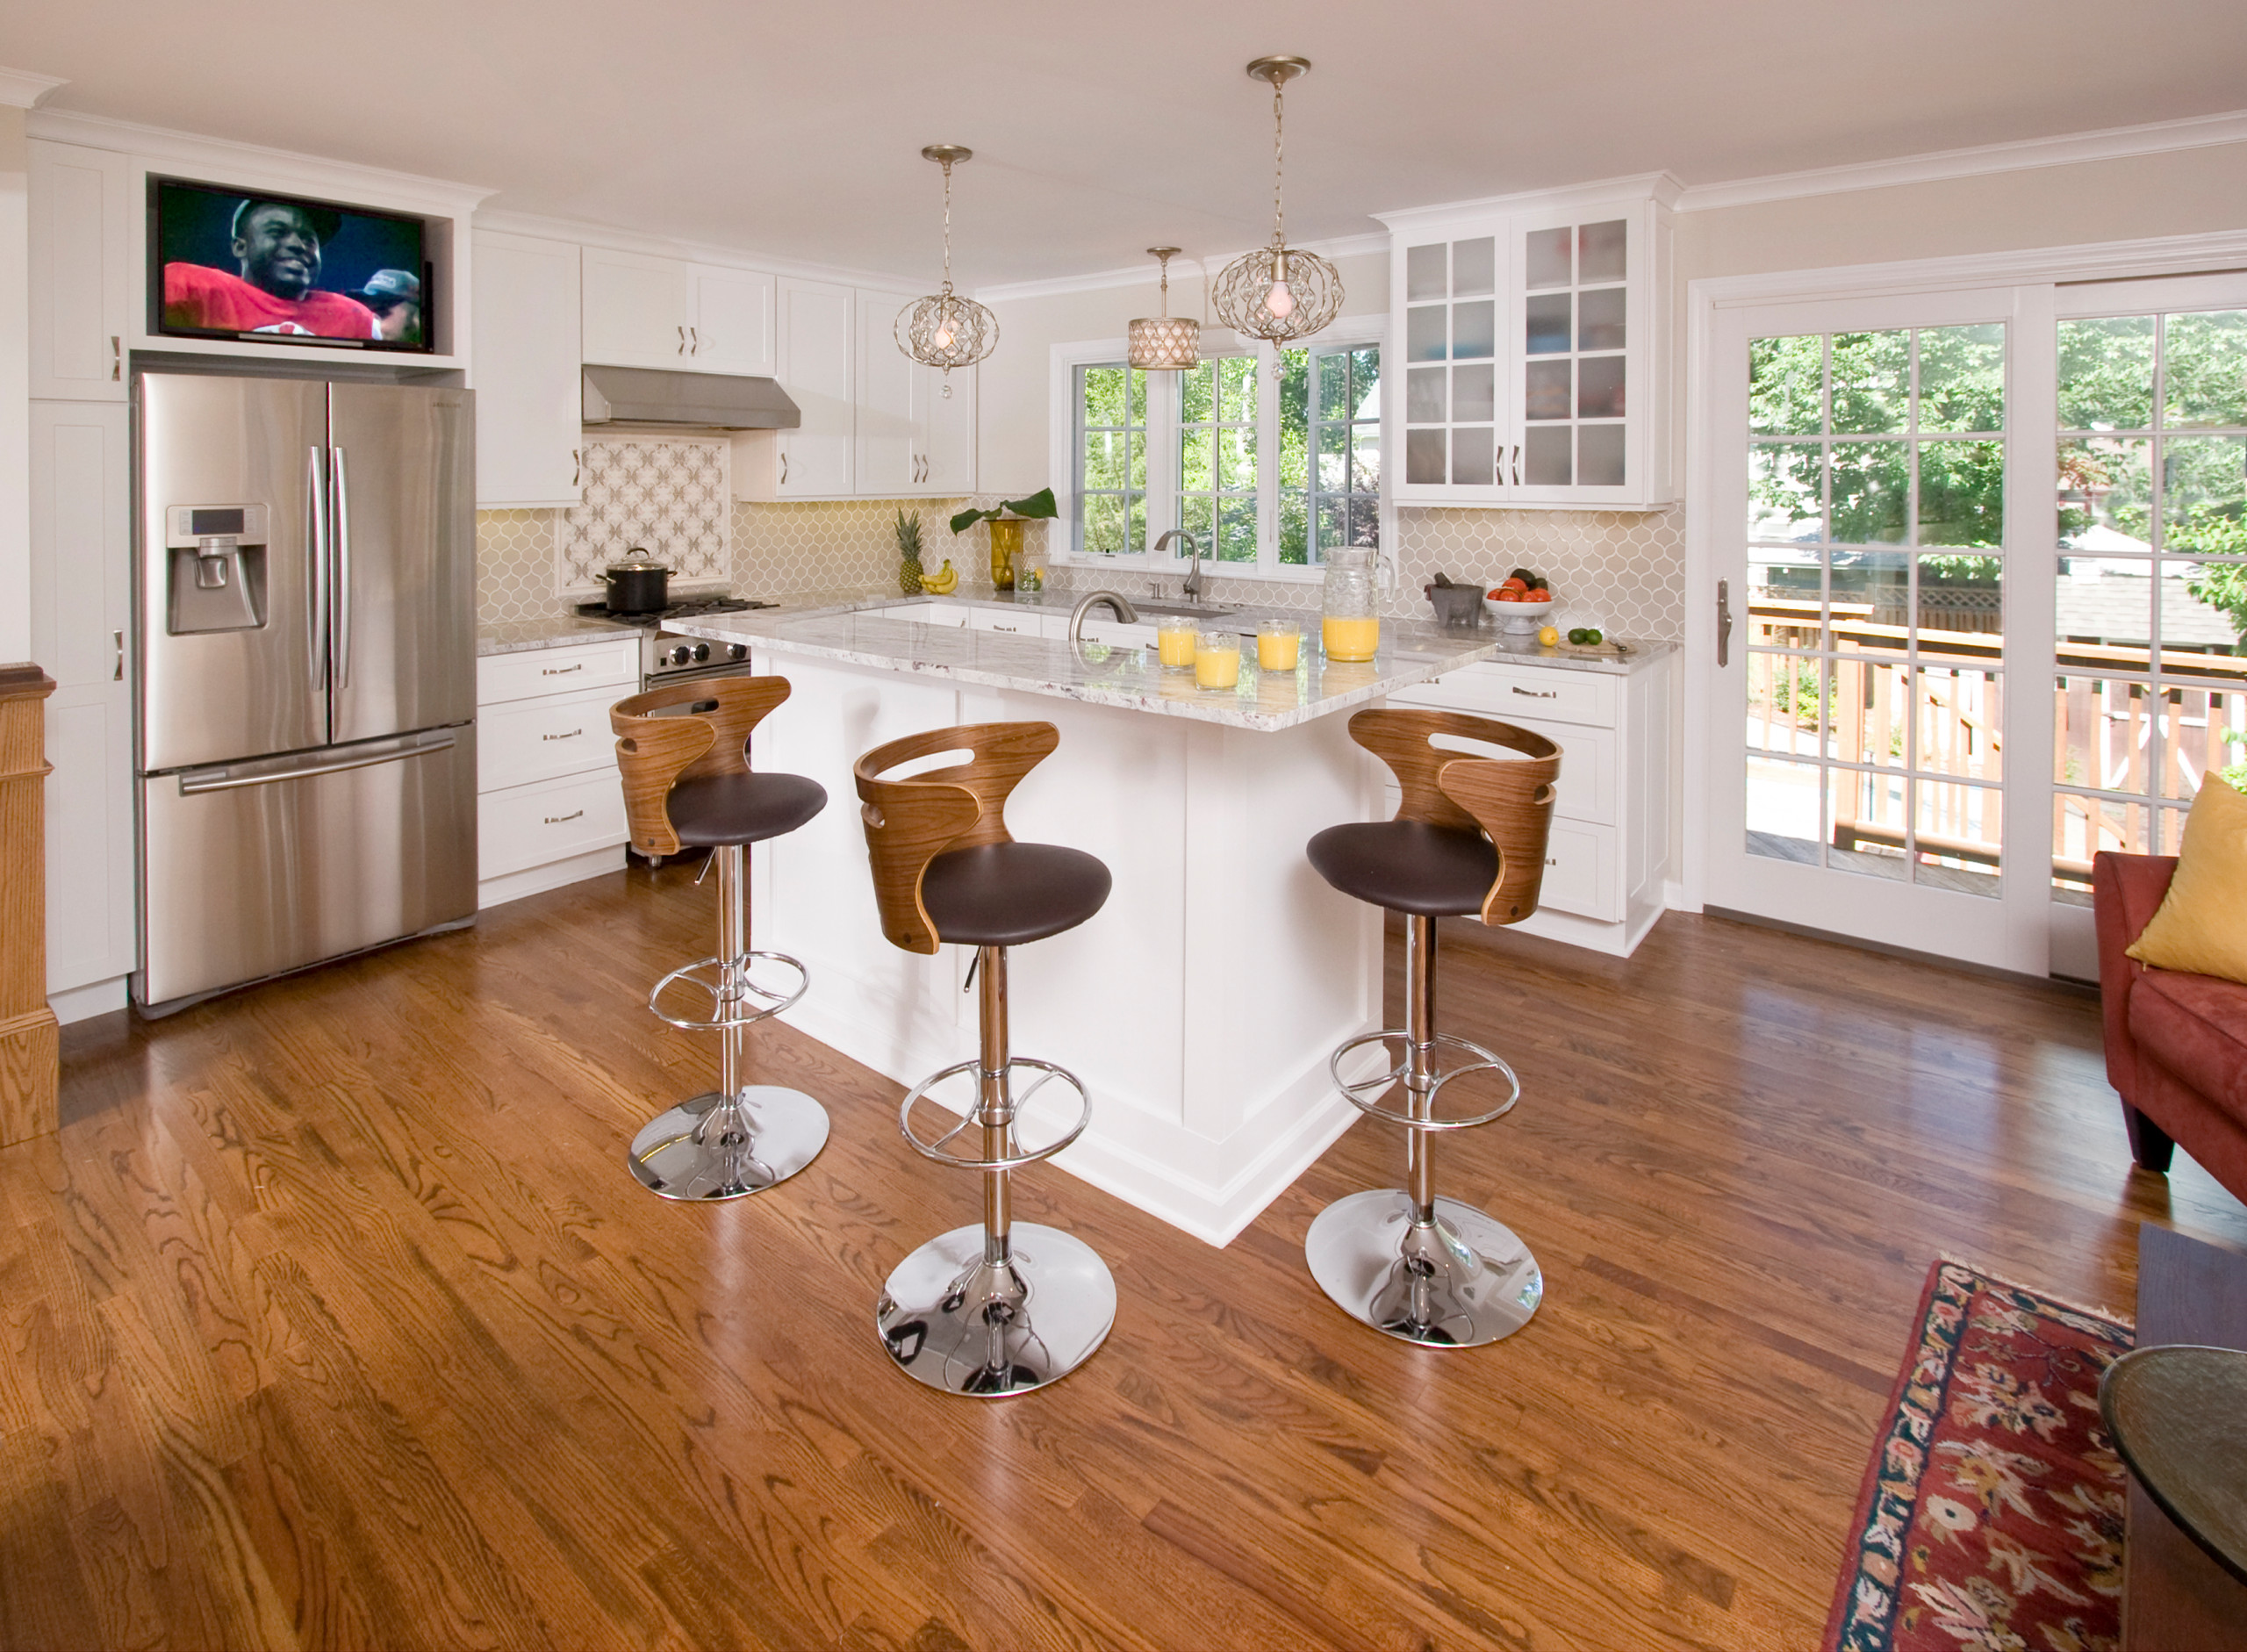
(1166, 343)
(1278, 292)
(943, 329)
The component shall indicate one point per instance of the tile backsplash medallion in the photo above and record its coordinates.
(1623, 569)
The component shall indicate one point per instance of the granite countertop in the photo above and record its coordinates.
(1125, 677)
(513, 636)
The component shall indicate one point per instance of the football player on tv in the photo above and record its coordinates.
(395, 296)
(276, 246)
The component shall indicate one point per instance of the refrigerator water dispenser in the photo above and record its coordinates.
(216, 567)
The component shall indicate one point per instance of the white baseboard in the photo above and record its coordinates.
(82, 1003)
(1616, 940)
(538, 880)
(1673, 897)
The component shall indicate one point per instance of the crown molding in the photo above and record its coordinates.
(267, 167)
(1135, 274)
(2111, 143)
(586, 234)
(21, 89)
(1659, 187)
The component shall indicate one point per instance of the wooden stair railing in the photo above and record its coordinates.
(29, 1043)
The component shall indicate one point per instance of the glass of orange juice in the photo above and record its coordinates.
(1217, 659)
(1278, 645)
(1174, 642)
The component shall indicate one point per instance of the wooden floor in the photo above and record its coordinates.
(332, 1318)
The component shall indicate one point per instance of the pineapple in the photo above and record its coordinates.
(908, 550)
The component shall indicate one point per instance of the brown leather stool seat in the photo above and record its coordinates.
(719, 810)
(1407, 866)
(1007, 895)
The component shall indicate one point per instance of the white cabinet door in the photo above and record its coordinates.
(731, 329)
(83, 280)
(888, 443)
(637, 310)
(944, 415)
(817, 459)
(80, 527)
(529, 421)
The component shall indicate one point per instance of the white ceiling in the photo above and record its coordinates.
(1099, 130)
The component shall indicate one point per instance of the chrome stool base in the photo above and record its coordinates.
(959, 1323)
(704, 1149)
(1462, 1283)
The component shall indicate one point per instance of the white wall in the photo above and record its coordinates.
(15, 390)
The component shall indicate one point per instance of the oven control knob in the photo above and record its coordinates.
(680, 656)
(701, 651)
(736, 651)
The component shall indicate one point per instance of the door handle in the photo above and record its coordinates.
(556, 820)
(784, 467)
(224, 780)
(117, 674)
(694, 336)
(577, 466)
(316, 566)
(682, 337)
(1517, 464)
(116, 358)
(342, 528)
(1724, 622)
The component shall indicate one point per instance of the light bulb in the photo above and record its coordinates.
(1280, 301)
(943, 338)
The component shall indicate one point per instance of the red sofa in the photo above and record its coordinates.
(2176, 1044)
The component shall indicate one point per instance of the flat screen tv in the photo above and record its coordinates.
(279, 269)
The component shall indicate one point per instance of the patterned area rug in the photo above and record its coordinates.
(1991, 1518)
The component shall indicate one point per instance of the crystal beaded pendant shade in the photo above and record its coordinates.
(1166, 343)
(943, 329)
(1278, 292)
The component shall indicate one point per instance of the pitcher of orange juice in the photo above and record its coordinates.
(1350, 626)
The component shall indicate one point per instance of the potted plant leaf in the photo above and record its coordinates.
(1006, 521)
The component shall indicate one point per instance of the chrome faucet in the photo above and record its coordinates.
(1192, 587)
(1122, 609)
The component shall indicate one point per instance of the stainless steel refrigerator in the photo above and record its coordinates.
(306, 595)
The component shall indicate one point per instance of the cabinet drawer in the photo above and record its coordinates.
(1011, 624)
(543, 739)
(560, 671)
(1113, 632)
(944, 613)
(1580, 873)
(1516, 693)
(528, 826)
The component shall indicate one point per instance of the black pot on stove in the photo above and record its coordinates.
(636, 585)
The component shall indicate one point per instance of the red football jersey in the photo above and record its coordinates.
(197, 296)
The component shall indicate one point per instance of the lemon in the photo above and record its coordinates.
(1549, 635)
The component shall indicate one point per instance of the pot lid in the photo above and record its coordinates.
(638, 562)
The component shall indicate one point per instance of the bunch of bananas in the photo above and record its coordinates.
(941, 583)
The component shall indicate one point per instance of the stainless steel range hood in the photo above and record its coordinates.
(698, 401)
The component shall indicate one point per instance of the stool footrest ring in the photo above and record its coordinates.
(1012, 1162)
(1481, 1060)
(708, 975)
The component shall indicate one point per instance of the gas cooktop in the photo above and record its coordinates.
(685, 608)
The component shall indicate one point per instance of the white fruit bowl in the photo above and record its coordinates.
(1520, 618)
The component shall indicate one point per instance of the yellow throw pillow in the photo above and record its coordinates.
(2202, 925)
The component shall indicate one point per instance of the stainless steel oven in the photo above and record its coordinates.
(667, 656)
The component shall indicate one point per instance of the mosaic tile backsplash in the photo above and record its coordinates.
(672, 496)
(1622, 569)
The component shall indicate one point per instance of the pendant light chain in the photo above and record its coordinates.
(943, 329)
(947, 229)
(1278, 292)
(1278, 163)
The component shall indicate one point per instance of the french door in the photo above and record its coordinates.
(1983, 562)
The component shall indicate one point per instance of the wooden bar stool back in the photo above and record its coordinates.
(683, 751)
(1467, 840)
(970, 1313)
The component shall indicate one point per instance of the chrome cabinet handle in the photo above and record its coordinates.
(316, 565)
(572, 734)
(1723, 622)
(118, 675)
(560, 671)
(1538, 694)
(694, 336)
(557, 820)
(116, 358)
(1517, 464)
(682, 337)
(223, 780)
(577, 466)
(784, 467)
(343, 573)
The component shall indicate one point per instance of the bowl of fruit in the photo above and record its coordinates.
(1521, 601)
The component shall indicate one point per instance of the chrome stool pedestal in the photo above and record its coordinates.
(1008, 1306)
(1413, 1266)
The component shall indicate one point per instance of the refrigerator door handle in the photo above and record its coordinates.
(316, 565)
(341, 518)
(225, 780)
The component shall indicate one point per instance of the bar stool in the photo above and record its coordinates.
(684, 753)
(1468, 839)
(1009, 1306)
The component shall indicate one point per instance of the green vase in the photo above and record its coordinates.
(1006, 545)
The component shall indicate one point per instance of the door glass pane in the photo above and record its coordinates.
(1423, 395)
(1427, 333)
(1962, 378)
(2106, 373)
(1599, 320)
(1871, 601)
(1957, 834)
(2105, 485)
(1545, 326)
(1600, 251)
(1548, 262)
(1471, 453)
(1474, 267)
(1599, 456)
(1546, 461)
(1786, 385)
(1787, 703)
(1474, 329)
(2203, 493)
(1424, 276)
(1474, 393)
(1786, 491)
(1962, 605)
(1424, 455)
(1871, 382)
(1871, 706)
(1599, 387)
(1870, 492)
(2204, 368)
(1961, 729)
(1546, 390)
(1962, 493)
(1785, 604)
(1782, 810)
(1865, 819)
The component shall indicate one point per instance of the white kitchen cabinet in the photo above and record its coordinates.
(84, 278)
(1607, 857)
(1529, 341)
(647, 312)
(550, 805)
(81, 597)
(945, 414)
(529, 417)
(818, 367)
(888, 440)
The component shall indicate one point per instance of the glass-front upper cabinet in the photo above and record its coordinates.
(1531, 339)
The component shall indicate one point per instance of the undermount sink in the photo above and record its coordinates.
(1191, 610)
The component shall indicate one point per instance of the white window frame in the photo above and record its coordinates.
(1162, 453)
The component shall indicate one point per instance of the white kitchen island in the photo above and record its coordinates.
(1201, 1005)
